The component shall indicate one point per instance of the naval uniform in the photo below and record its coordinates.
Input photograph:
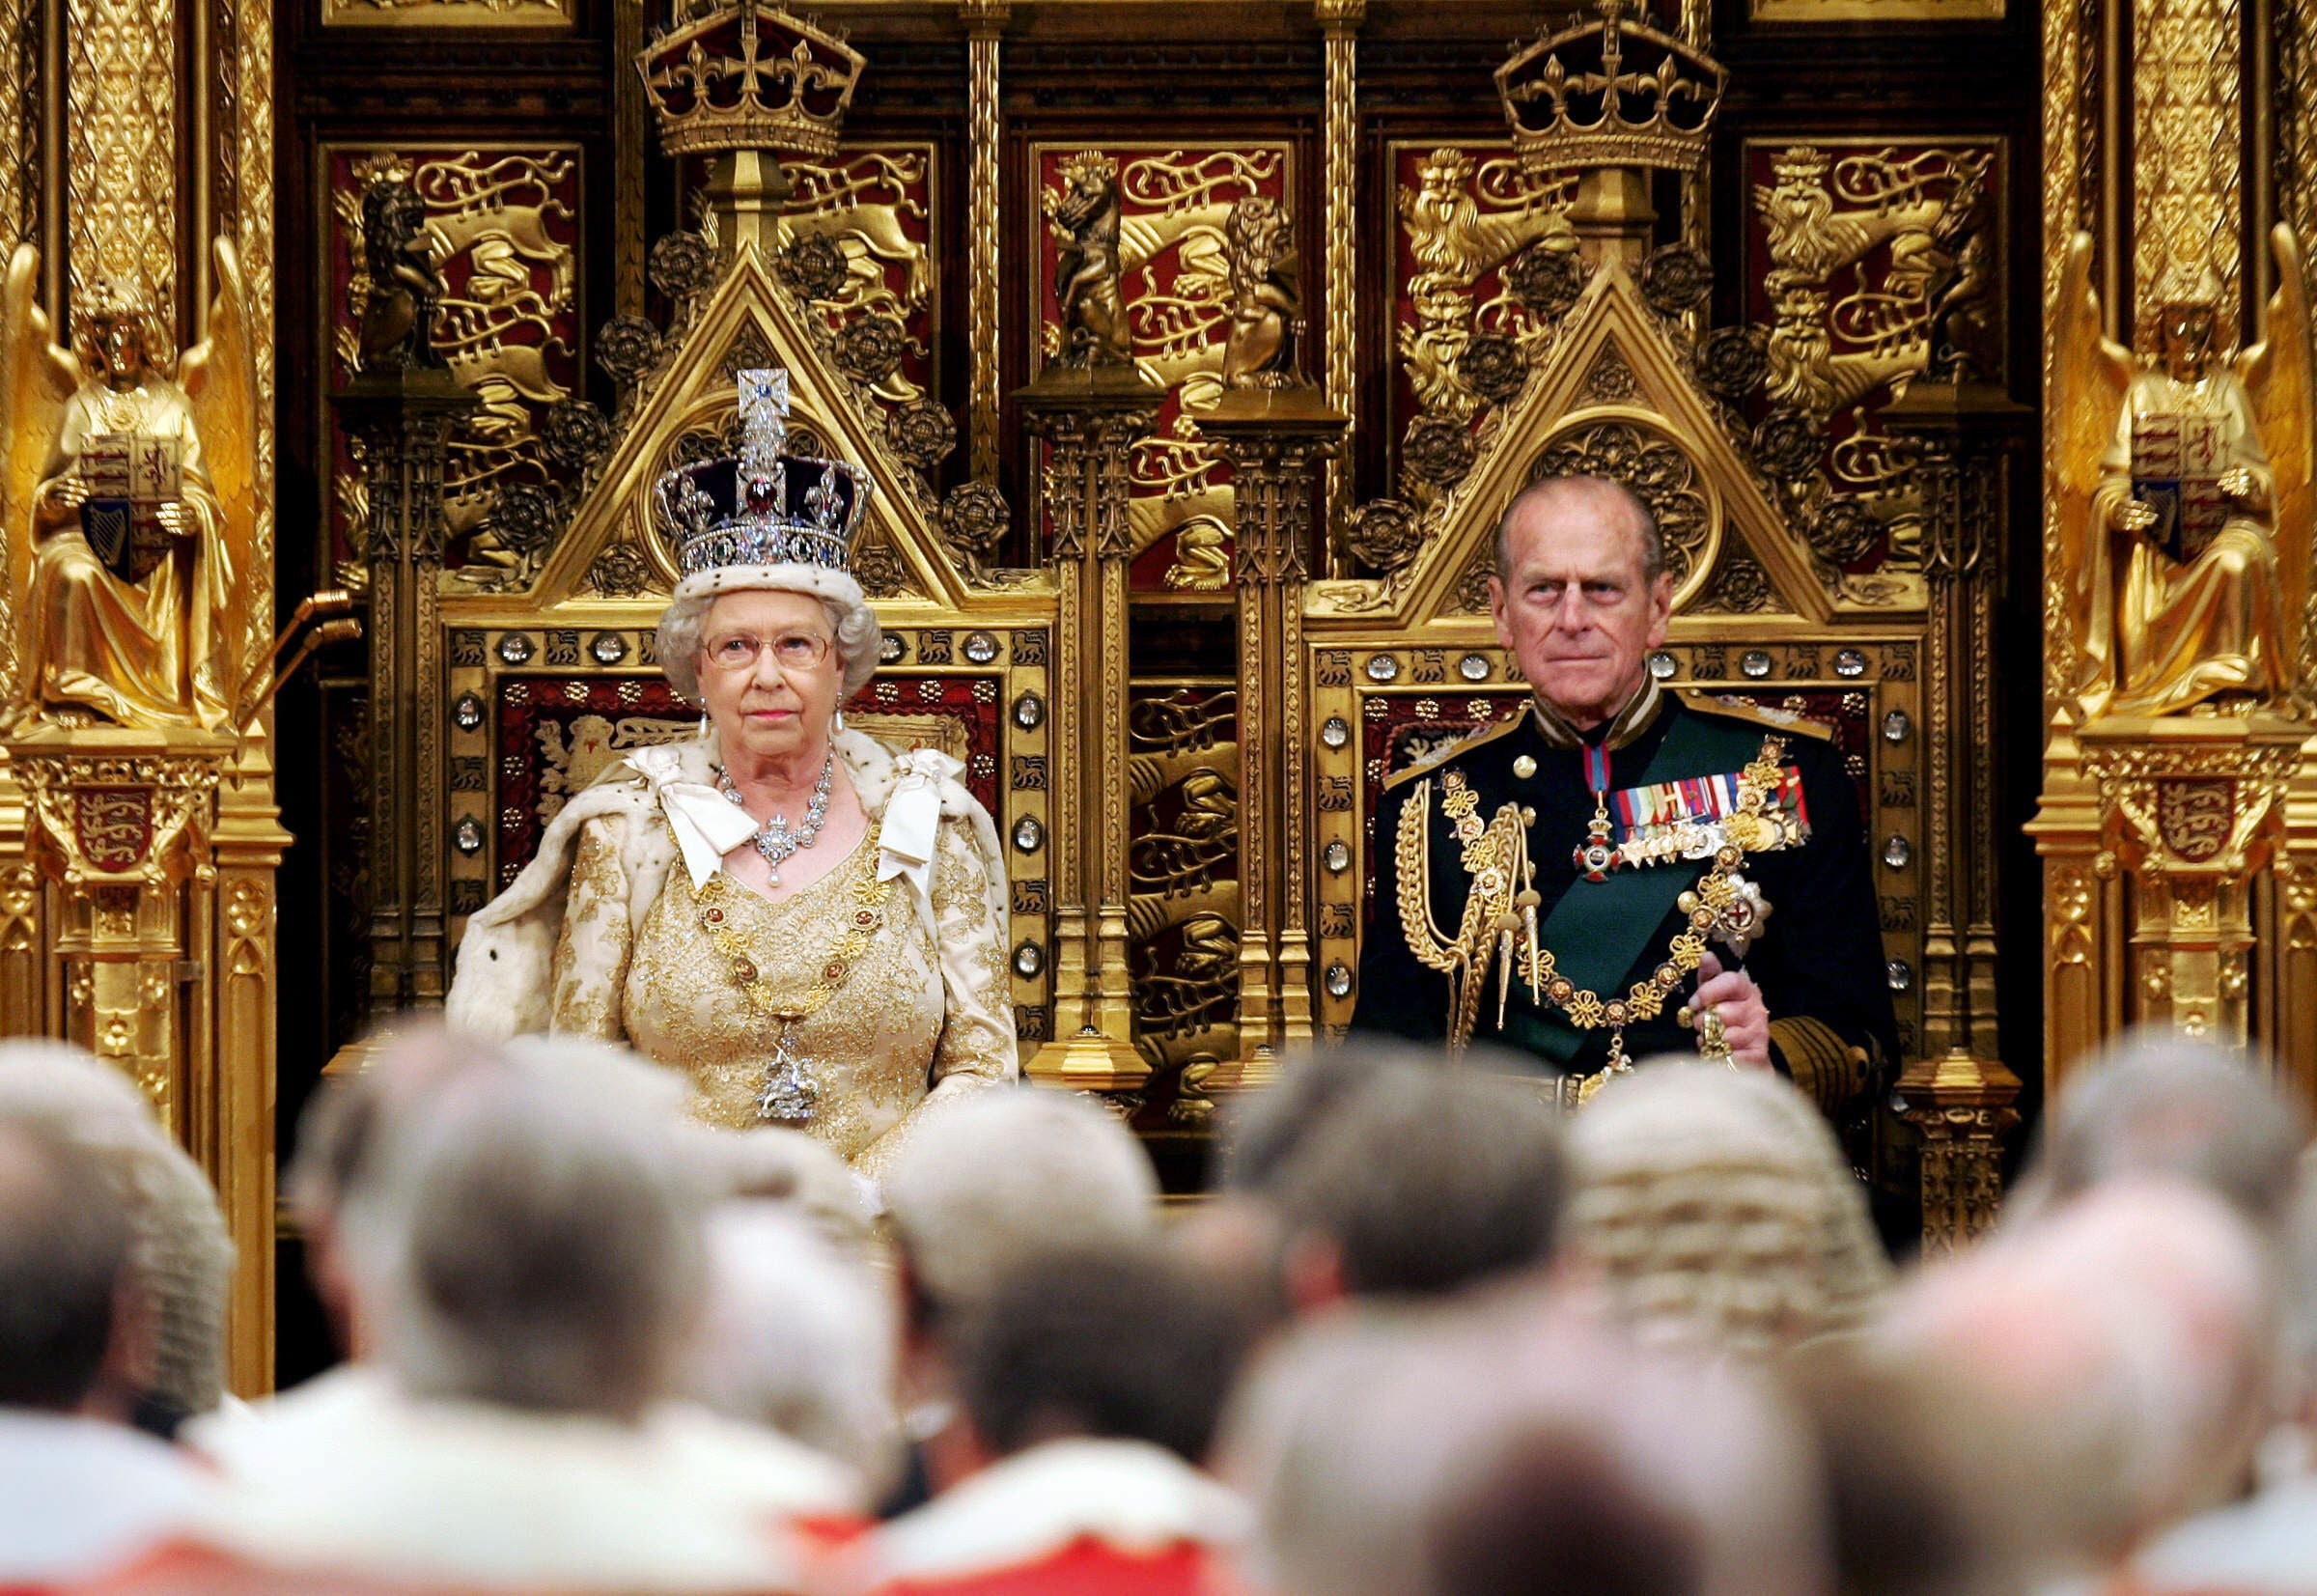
(1817, 955)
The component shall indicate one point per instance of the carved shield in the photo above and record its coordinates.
(113, 825)
(2195, 815)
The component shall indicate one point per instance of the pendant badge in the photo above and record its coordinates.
(789, 1096)
(1596, 857)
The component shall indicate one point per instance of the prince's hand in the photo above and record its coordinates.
(1745, 1017)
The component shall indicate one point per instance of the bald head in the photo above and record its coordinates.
(1605, 498)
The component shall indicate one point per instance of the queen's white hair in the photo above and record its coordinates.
(181, 1255)
(798, 1337)
(987, 1178)
(851, 619)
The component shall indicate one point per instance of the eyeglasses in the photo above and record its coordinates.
(740, 651)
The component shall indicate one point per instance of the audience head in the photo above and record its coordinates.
(1715, 1207)
(986, 1180)
(65, 1242)
(338, 1138)
(1514, 1447)
(533, 1237)
(1928, 1494)
(2126, 1336)
(786, 1168)
(2296, 1393)
(170, 1343)
(1115, 1341)
(2160, 1103)
(796, 1336)
(1419, 1182)
(1262, 1132)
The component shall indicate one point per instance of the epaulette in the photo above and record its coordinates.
(1463, 745)
(1761, 714)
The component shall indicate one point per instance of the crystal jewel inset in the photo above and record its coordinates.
(776, 839)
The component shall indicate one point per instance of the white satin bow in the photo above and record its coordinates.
(912, 822)
(707, 825)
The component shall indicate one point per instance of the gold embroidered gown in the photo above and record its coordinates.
(915, 1009)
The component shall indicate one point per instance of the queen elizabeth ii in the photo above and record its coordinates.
(807, 923)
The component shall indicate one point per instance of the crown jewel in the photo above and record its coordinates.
(764, 507)
(1611, 93)
(742, 74)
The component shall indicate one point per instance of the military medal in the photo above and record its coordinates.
(1597, 855)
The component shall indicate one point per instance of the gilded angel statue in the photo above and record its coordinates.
(129, 500)
(2185, 500)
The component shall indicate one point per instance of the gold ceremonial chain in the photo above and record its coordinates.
(1501, 910)
(790, 1093)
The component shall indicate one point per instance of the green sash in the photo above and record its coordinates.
(1600, 930)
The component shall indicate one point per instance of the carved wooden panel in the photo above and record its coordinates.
(1869, 262)
(504, 226)
(874, 213)
(1464, 212)
(1183, 872)
(1174, 199)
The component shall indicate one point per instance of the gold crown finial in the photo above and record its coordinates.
(745, 75)
(1611, 93)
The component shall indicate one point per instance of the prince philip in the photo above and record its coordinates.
(1619, 871)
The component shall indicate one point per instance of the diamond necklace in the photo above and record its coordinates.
(775, 839)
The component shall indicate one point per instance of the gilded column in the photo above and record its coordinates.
(237, 924)
(1340, 20)
(23, 1009)
(1277, 440)
(2083, 993)
(1957, 1093)
(984, 20)
(1089, 419)
(399, 421)
(20, 89)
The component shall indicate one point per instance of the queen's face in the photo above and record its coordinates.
(770, 674)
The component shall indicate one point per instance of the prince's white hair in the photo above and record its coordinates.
(850, 619)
